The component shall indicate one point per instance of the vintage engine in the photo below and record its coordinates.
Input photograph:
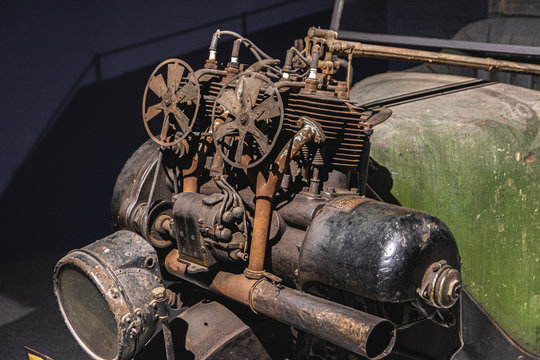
(253, 187)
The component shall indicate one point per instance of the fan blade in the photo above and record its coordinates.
(269, 108)
(252, 86)
(230, 102)
(174, 76)
(152, 112)
(157, 85)
(260, 138)
(224, 130)
(188, 92)
(182, 120)
(164, 128)
(240, 147)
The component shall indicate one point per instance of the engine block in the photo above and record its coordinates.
(253, 186)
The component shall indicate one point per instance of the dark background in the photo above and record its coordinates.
(72, 77)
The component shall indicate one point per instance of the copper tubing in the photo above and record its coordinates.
(362, 333)
(191, 174)
(340, 47)
(233, 286)
(267, 188)
(261, 226)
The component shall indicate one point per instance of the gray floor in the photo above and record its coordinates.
(29, 315)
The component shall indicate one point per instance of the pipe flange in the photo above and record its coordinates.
(441, 285)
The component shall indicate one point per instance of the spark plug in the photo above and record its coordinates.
(235, 52)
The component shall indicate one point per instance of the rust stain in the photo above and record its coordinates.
(530, 157)
(485, 122)
(503, 118)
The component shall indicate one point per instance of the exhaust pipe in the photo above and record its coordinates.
(357, 331)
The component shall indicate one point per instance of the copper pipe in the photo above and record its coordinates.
(233, 286)
(357, 331)
(267, 188)
(261, 226)
(191, 174)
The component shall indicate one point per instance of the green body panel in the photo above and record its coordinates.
(469, 158)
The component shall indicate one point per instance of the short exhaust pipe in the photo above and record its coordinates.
(354, 330)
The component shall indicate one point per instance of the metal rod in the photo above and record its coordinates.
(340, 47)
(473, 46)
(160, 300)
(358, 49)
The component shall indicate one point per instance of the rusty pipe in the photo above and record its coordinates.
(261, 226)
(357, 49)
(354, 330)
(191, 174)
(267, 188)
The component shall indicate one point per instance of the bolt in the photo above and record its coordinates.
(114, 293)
(159, 293)
(203, 249)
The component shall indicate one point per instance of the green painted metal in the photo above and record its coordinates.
(470, 159)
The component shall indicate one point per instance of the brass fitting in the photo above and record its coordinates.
(441, 285)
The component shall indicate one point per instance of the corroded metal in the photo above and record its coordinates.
(357, 49)
(441, 285)
(278, 220)
(215, 332)
(266, 189)
(254, 99)
(178, 93)
(362, 333)
(99, 292)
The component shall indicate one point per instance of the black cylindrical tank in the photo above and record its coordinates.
(373, 249)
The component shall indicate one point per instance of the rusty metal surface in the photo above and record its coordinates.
(394, 53)
(343, 124)
(215, 332)
(254, 101)
(266, 189)
(178, 101)
(354, 330)
(441, 285)
(340, 47)
(119, 266)
(229, 197)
